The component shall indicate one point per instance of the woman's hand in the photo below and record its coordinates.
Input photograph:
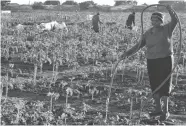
(123, 56)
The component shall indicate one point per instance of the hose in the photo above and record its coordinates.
(116, 64)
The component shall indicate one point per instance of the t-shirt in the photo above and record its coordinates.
(159, 44)
(95, 20)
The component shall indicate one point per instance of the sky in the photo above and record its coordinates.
(100, 2)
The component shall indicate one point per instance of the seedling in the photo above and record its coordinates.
(52, 95)
(69, 91)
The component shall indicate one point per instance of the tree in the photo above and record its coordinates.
(70, 3)
(179, 5)
(5, 2)
(135, 2)
(37, 5)
(48, 2)
(85, 5)
(117, 3)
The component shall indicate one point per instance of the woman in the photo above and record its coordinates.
(130, 21)
(159, 58)
(95, 21)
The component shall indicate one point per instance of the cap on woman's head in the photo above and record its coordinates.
(158, 15)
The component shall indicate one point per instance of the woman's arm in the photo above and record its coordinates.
(133, 20)
(174, 19)
(99, 20)
(135, 48)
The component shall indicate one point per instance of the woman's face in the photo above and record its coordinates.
(155, 21)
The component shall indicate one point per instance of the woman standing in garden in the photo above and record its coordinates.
(95, 21)
(130, 21)
(159, 58)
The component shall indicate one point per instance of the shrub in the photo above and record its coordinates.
(85, 5)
